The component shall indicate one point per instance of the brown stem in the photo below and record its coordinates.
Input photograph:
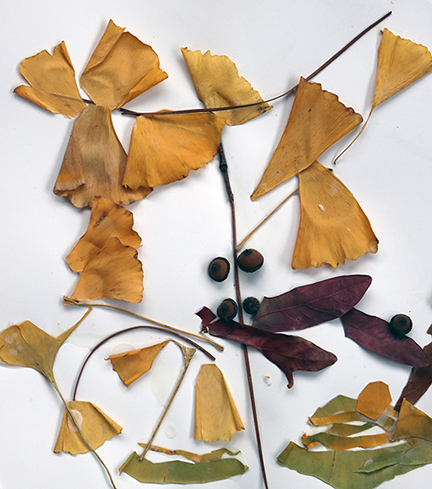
(223, 166)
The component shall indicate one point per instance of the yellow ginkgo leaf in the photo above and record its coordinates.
(131, 365)
(412, 423)
(317, 120)
(373, 400)
(52, 82)
(333, 226)
(120, 69)
(165, 147)
(115, 272)
(216, 416)
(107, 220)
(94, 424)
(94, 162)
(218, 84)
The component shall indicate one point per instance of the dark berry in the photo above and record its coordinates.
(400, 324)
(251, 305)
(227, 309)
(219, 269)
(250, 260)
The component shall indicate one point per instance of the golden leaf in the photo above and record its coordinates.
(94, 424)
(120, 69)
(412, 422)
(333, 226)
(107, 220)
(317, 120)
(218, 84)
(115, 272)
(52, 82)
(373, 400)
(131, 365)
(164, 148)
(94, 162)
(216, 416)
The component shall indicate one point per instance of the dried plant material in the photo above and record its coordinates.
(94, 162)
(339, 404)
(120, 69)
(317, 120)
(333, 226)
(373, 333)
(216, 416)
(179, 472)
(107, 220)
(165, 148)
(342, 417)
(52, 82)
(212, 456)
(131, 365)
(342, 429)
(419, 381)
(374, 399)
(218, 84)
(339, 443)
(94, 424)
(115, 273)
(312, 304)
(412, 423)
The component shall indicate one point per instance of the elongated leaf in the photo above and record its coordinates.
(339, 443)
(339, 404)
(178, 472)
(212, 456)
(312, 304)
(343, 429)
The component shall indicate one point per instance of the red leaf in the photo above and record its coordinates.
(373, 333)
(419, 381)
(312, 304)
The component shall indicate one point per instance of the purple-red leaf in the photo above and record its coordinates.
(289, 353)
(419, 381)
(373, 333)
(312, 304)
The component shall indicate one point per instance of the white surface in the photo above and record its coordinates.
(186, 224)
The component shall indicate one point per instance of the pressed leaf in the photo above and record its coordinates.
(419, 381)
(343, 417)
(218, 84)
(312, 304)
(107, 220)
(52, 82)
(343, 429)
(339, 404)
(374, 399)
(120, 69)
(216, 415)
(178, 472)
(131, 365)
(333, 226)
(289, 353)
(339, 443)
(115, 272)
(94, 162)
(212, 456)
(317, 120)
(165, 148)
(94, 424)
(373, 333)
(412, 423)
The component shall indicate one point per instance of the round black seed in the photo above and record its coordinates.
(400, 324)
(227, 309)
(250, 260)
(219, 269)
(251, 305)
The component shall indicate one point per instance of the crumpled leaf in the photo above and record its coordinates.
(212, 456)
(106, 221)
(289, 353)
(95, 162)
(339, 443)
(120, 69)
(333, 226)
(94, 424)
(419, 381)
(412, 423)
(218, 84)
(179, 472)
(164, 148)
(373, 333)
(312, 304)
(52, 82)
(374, 399)
(131, 365)
(216, 415)
(115, 272)
(317, 120)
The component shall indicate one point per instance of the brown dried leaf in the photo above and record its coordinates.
(373, 400)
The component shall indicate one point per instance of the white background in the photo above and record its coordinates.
(186, 224)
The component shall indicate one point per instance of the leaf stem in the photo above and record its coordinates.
(223, 166)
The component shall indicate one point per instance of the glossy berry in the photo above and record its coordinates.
(251, 305)
(400, 324)
(227, 309)
(219, 269)
(250, 260)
